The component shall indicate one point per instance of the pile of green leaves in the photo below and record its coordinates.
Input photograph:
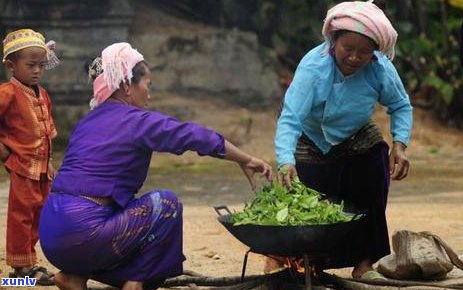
(277, 205)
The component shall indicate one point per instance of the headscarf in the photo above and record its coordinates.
(23, 38)
(117, 62)
(364, 18)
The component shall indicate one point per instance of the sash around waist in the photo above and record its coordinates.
(103, 201)
(365, 138)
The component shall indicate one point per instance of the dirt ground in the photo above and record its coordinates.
(430, 199)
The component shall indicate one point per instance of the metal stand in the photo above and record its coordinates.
(245, 262)
(307, 273)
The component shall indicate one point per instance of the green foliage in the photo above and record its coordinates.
(300, 205)
(444, 89)
(428, 55)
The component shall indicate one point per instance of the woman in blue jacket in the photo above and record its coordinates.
(325, 134)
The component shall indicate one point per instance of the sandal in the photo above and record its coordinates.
(45, 278)
(373, 275)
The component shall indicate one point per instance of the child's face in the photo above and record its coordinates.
(29, 66)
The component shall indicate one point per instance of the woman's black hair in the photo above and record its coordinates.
(138, 71)
(380, 3)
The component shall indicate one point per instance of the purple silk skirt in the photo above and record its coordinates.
(141, 242)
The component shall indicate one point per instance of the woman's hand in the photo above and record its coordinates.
(249, 164)
(398, 162)
(286, 174)
(256, 165)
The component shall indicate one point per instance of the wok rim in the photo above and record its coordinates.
(226, 219)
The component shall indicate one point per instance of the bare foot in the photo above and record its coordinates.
(361, 268)
(66, 281)
(132, 285)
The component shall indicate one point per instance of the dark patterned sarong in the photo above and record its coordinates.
(142, 242)
(361, 179)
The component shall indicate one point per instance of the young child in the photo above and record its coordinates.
(26, 131)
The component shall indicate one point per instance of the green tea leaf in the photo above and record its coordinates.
(276, 205)
(282, 214)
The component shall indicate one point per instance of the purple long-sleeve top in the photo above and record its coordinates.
(110, 150)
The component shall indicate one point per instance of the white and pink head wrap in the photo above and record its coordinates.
(117, 62)
(365, 18)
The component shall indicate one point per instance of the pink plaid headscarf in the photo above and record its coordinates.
(365, 18)
(117, 60)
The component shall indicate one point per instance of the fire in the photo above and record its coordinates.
(275, 263)
(295, 263)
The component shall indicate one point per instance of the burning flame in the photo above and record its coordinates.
(292, 263)
(295, 263)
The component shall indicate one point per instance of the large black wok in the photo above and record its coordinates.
(290, 240)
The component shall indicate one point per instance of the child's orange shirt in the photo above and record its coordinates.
(26, 128)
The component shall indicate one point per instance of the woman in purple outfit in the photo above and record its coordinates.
(92, 226)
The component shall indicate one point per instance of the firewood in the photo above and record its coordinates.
(210, 281)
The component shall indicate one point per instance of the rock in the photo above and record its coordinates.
(186, 58)
(81, 30)
(197, 60)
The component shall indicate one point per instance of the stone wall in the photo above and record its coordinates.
(186, 58)
(81, 30)
(194, 59)
(219, 64)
